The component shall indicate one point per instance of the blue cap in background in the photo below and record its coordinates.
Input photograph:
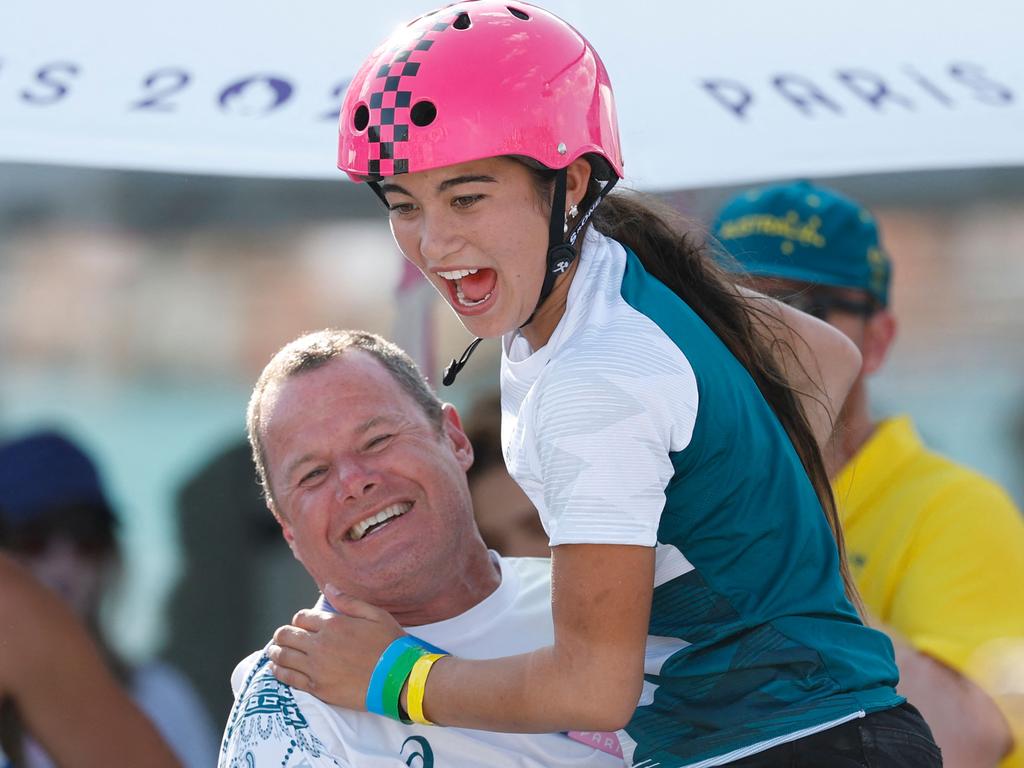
(803, 232)
(44, 472)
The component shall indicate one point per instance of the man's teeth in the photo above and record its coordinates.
(458, 274)
(359, 529)
(466, 302)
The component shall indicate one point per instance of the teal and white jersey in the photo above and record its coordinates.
(636, 425)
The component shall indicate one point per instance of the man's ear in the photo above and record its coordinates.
(451, 424)
(879, 335)
(286, 529)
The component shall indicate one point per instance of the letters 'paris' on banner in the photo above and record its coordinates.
(708, 93)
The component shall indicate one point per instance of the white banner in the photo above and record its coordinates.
(709, 93)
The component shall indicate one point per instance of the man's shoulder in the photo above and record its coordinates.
(946, 484)
(271, 722)
(913, 480)
(244, 669)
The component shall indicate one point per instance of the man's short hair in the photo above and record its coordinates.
(314, 350)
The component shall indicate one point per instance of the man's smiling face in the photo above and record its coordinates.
(371, 493)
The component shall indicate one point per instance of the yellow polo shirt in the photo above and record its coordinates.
(936, 550)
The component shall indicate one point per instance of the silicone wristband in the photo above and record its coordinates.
(429, 646)
(418, 686)
(396, 678)
(391, 654)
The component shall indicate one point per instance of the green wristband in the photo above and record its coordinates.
(396, 678)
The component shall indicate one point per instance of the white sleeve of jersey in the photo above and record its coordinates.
(603, 429)
(268, 728)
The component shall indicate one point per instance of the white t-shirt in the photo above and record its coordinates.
(273, 726)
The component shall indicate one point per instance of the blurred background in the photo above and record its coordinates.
(137, 308)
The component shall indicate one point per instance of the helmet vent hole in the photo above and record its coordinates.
(361, 117)
(462, 21)
(518, 14)
(423, 113)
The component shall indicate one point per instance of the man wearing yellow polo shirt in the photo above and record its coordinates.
(936, 549)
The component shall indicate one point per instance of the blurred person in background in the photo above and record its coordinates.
(937, 550)
(342, 426)
(221, 502)
(57, 521)
(507, 520)
(54, 685)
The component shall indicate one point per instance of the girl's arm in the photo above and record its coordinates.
(589, 680)
(65, 695)
(820, 361)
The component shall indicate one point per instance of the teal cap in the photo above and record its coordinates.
(807, 233)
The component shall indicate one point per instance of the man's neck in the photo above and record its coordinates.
(467, 584)
(854, 428)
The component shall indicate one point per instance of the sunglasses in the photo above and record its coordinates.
(819, 303)
(89, 531)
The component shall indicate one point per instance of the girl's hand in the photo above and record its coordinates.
(333, 655)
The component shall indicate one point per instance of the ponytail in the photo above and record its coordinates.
(669, 251)
(657, 235)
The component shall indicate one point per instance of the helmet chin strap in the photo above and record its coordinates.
(560, 253)
(562, 250)
(375, 186)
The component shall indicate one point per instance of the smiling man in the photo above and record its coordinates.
(365, 470)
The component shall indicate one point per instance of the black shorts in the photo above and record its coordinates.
(893, 738)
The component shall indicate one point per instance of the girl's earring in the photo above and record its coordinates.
(571, 214)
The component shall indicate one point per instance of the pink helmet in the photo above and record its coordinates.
(478, 79)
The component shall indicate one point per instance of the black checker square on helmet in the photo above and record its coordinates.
(391, 102)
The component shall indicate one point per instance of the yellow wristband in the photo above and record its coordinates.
(418, 686)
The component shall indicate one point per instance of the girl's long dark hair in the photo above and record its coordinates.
(683, 262)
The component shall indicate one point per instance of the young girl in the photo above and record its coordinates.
(650, 411)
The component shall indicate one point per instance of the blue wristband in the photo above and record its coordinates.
(375, 690)
(429, 646)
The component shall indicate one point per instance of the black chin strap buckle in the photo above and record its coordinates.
(560, 258)
(457, 365)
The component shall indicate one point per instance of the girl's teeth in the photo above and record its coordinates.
(458, 274)
(466, 302)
